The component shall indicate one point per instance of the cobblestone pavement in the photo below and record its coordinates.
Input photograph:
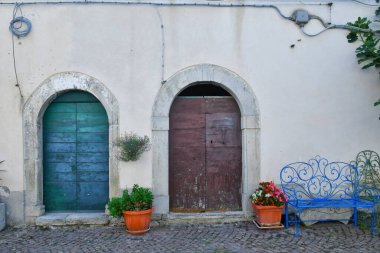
(235, 237)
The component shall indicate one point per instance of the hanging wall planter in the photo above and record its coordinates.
(131, 146)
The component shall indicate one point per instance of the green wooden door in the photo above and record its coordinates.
(75, 132)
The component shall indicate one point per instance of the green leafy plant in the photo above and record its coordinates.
(139, 199)
(368, 53)
(131, 146)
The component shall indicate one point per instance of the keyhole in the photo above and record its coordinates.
(211, 141)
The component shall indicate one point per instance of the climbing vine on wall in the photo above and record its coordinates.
(368, 53)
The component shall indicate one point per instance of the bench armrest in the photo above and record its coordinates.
(290, 193)
(369, 193)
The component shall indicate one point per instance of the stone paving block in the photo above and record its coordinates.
(239, 237)
(2, 216)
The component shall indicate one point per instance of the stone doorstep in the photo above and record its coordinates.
(207, 218)
(69, 219)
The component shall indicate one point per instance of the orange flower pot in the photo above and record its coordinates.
(137, 222)
(268, 216)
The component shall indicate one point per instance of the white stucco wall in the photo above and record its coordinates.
(313, 98)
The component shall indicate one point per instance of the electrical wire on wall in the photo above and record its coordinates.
(345, 27)
(366, 4)
(208, 4)
(20, 27)
(162, 47)
(19, 22)
(302, 17)
(211, 5)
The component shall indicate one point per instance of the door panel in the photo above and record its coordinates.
(59, 137)
(223, 152)
(91, 195)
(57, 176)
(223, 179)
(205, 155)
(93, 176)
(90, 107)
(60, 127)
(89, 147)
(92, 166)
(60, 195)
(75, 153)
(187, 138)
(59, 157)
(60, 147)
(187, 155)
(223, 130)
(92, 137)
(58, 107)
(92, 157)
(191, 196)
(92, 127)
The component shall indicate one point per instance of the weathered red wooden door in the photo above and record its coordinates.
(205, 155)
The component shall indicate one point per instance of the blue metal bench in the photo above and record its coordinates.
(319, 183)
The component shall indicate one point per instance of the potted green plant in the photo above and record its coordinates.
(131, 146)
(136, 207)
(268, 202)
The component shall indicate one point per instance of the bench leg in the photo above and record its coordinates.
(298, 222)
(373, 221)
(286, 216)
(355, 216)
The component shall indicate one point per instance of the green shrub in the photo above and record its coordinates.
(115, 207)
(131, 146)
(140, 199)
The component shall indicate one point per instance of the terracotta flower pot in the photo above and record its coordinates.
(268, 215)
(137, 222)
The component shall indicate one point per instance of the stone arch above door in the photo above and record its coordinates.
(33, 112)
(250, 124)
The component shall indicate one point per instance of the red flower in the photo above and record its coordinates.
(267, 194)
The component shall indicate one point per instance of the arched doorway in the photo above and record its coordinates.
(33, 112)
(250, 128)
(205, 165)
(75, 153)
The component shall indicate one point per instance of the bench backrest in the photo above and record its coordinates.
(368, 164)
(319, 179)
